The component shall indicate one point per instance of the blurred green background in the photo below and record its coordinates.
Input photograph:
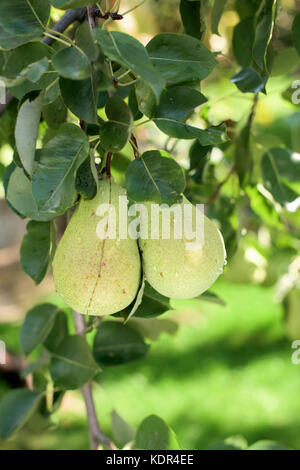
(228, 369)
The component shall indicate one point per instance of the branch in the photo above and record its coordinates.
(96, 435)
(220, 185)
(76, 14)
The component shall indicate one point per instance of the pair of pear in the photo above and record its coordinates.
(102, 276)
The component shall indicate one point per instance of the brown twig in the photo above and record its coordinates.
(134, 145)
(108, 163)
(96, 435)
(220, 185)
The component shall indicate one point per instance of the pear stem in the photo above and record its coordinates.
(96, 435)
(108, 162)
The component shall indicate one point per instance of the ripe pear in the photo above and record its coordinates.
(170, 267)
(97, 276)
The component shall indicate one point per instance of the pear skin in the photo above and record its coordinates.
(96, 276)
(175, 271)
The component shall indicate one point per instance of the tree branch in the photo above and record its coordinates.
(76, 14)
(96, 435)
(220, 185)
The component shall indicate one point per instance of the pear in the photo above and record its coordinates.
(170, 267)
(97, 276)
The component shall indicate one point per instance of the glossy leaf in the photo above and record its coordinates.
(86, 179)
(154, 434)
(146, 98)
(122, 432)
(249, 81)
(14, 32)
(55, 113)
(16, 408)
(242, 41)
(155, 178)
(81, 97)
(153, 304)
(72, 364)
(115, 133)
(191, 18)
(274, 169)
(243, 155)
(71, 63)
(37, 325)
(58, 333)
(216, 15)
(85, 41)
(199, 157)
(263, 33)
(26, 132)
(152, 328)
(53, 182)
(296, 32)
(116, 344)
(180, 58)
(37, 249)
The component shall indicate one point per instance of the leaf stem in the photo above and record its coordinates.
(133, 8)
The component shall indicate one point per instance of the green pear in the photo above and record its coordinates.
(170, 267)
(97, 276)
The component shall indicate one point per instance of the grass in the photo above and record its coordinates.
(227, 371)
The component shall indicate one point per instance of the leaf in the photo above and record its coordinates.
(152, 328)
(296, 32)
(53, 181)
(154, 434)
(211, 297)
(16, 408)
(26, 132)
(132, 308)
(273, 166)
(153, 304)
(116, 344)
(146, 98)
(216, 15)
(19, 23)
(72, 364)
(242, 41)
(243, 155)
(86, 179)
(58, 333)
(263, 34)
(122, 432)
(71, 63)
(199, 156)
(115, 133)
(249, 81)
(130, 53)
(19, 195)
(267, 445)
(37, 249)
(37, 325)
(81, 97)
(155, 178)
(55, 113)
(65, 4)
(180, 58)
(191, 18)
(85, 41)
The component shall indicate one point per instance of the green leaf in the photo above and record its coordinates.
(180, 58)
(155, 178)
(122, 432)
(216, 15)
(152, 328)
(19, 23)
(153, 304)
(72, 364)
(65, 4)
(58, 333)
(26, 132)
(249, 81)
(86, 178)
(267, 445)
(191, 18)
(277, 164)
(130, 53)
(263, 33)
(37, 249)
(55, 113)
(16, 408)
(146, 98)
(296, 32)
(81, 97)
(154, 434)
(71, 63)
(243, 155)
(116, 344)
(85, 41)
(37, 325)
(115, 133)
(53, 182)
(242, 41)
(199, 156)
(211, 297)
